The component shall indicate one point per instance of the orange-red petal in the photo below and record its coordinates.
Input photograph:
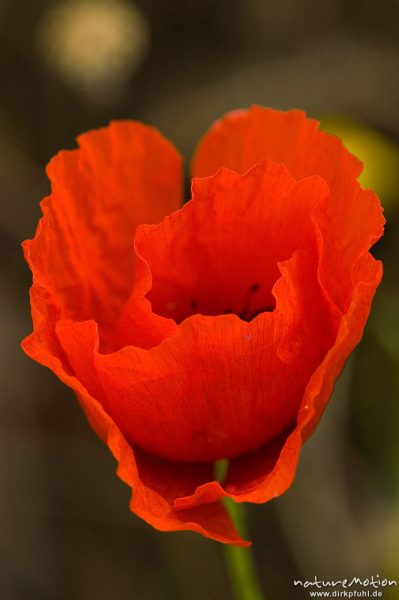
(243, 138)
(155, 483)
(269, 472)
(82, 255)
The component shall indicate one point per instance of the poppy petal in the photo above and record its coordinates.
(316, 396)
(155, 483)
(262, 475)
(346, 233)
(82, 254)
(243, 138)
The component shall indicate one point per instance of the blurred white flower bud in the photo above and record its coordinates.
(94, 44)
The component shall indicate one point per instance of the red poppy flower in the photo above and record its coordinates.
(218, 332)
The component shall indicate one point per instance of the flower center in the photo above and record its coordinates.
(252, 303)
(248, 312)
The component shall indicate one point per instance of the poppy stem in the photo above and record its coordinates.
(240, 561)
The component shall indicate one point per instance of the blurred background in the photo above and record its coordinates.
(68, 66)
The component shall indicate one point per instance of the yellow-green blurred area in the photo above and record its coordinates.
(68, 66)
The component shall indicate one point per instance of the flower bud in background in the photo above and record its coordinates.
(94, 45)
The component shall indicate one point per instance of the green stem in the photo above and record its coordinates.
(240, 561)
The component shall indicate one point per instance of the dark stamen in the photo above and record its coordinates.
(246, 314)
(255, 287)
